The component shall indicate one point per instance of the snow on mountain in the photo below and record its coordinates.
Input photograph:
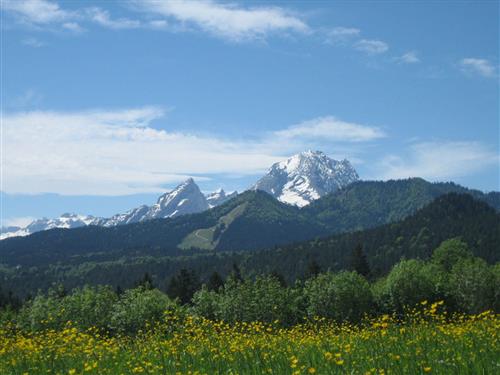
(298, 181)
(305, 177)
(218, 197)
(184, 199)
(64, 221)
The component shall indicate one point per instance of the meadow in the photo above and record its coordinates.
(425, 340)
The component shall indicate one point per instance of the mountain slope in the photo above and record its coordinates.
(252, 220)
(448, 216)
(416, 236)
(366, 204)
(263, 222)
(306, 177)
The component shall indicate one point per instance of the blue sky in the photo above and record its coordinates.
(108, 104)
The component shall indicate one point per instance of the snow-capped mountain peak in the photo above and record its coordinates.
(186, 198)
(305, 177)
(218, 197)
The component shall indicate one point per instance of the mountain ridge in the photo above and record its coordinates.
(263, 222)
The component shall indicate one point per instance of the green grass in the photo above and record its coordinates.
(204, 238)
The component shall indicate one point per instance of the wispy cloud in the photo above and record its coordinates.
(119, 152)
(33, 42)
(28, 99)
(341, 34)
(372, 47)
(438, 160)
(103, 18)
(36, 12)
(73, 26)
(410, 57)
(332, 129)
(226, 20)
(481, 67)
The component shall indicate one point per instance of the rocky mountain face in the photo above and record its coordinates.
(219, 196)
(184, 199)
(298, 181)
(306, 177)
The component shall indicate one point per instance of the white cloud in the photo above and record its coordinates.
(341, 35)
(344, 31)
(112, 153)
(410, 57)
(120, 152)
(438, 161)
(226, 20)
(33, 42)
(73, 26)
(372, 47)
(36, 11)
(482, 67)
(332, 129)
(103, 18)
(158, 24)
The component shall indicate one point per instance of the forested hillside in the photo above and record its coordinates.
(251, 221)
(452, 215)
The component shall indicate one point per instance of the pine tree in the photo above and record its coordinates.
(183, 286)
(236, 273)
(359, 263)
(278, 276)
(215, 281)
(146, 282)
(313, 269)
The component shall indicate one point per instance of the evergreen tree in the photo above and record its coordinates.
(278, 276)
(146, 282)
(236, 273)
(313, 269)
(215, 281)
(183, 285)
(359, 262)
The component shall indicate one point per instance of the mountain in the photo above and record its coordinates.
(448, 216)
(415, 236)
(249, 221)
(186, 198)
(218, 197)
(252, 220)
(66, 220)
(366, 204)
(306, 177)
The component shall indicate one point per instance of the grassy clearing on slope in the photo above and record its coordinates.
(206, 238)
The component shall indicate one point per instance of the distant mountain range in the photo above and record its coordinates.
(297, 181)
(249, 221)
(184, 199)
(119, 256)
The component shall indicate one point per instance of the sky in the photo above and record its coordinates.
(108, 104)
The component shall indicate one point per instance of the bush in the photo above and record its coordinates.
(264, 299)
(137, 307)
(450, 252)
(86, 307)
(474, 285)
(408, 283)
(342, 296)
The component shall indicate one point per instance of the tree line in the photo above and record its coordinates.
(465, 283)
